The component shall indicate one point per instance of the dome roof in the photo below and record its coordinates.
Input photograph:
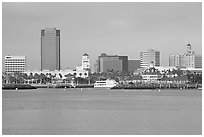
(188, 44)
(85, 54)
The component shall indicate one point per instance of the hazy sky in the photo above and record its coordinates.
(93, 28)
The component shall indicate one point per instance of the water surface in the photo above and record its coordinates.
(99, 111)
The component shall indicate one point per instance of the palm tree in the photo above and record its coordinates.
(68, 77)
(7, 78)
(11, 78)
(80, 74)
(50, 77)
(36, 77)
(53, 77)
(85, 74)
(30, 77)
(47, 78)
(60, 75)
(75, 77)
(25, 76)
(42, 77)
(20, 78)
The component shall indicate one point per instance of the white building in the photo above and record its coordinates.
(190, 58)
(187, 60)
(60, 74)
(79, 68)
(15, 64)
(151, 74)
(183, 61)
(162, 69)
(174, 60)
(149, 56)
(85, 62)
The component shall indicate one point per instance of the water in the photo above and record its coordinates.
(92, 111)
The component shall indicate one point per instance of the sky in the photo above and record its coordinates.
(95, 28)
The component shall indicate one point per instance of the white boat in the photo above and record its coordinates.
(105, 84)
(200, 88)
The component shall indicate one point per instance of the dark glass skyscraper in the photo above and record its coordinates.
(50, 49)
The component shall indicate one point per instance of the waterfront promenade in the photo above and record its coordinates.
(92, 111)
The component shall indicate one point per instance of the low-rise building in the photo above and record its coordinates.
(15, 64)
(151, 74)
(61, 74)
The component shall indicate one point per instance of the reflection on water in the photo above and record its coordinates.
(91, 111)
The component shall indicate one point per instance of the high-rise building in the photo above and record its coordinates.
(124, 63)
(183, 61)
(189, 50)
(174, 60)
(96, 66)
(187, 60)
(133, 65)
(85, 62)
(198, 61)
(50, 49)
(148, 57)
(15, 63)
(111, 63)
(190, 57)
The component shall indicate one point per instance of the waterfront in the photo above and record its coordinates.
(92, 111)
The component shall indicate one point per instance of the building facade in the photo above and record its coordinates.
(187, 60)
(15, 64)
(149, 56)
(133, 65)
(111, 63)
(190, 58)
(198, 61)
(85, 62)
(183, 61)
(50, 49)
(174, 60)
(124, 63)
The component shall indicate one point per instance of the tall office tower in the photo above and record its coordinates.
(149, 56)
(174, 60)
(112, 63)
(50, 49)
(133, 65)
(85, 62)
(15, 63)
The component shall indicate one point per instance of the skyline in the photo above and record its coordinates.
(94, 28)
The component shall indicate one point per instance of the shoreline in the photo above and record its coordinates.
(27, 86)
